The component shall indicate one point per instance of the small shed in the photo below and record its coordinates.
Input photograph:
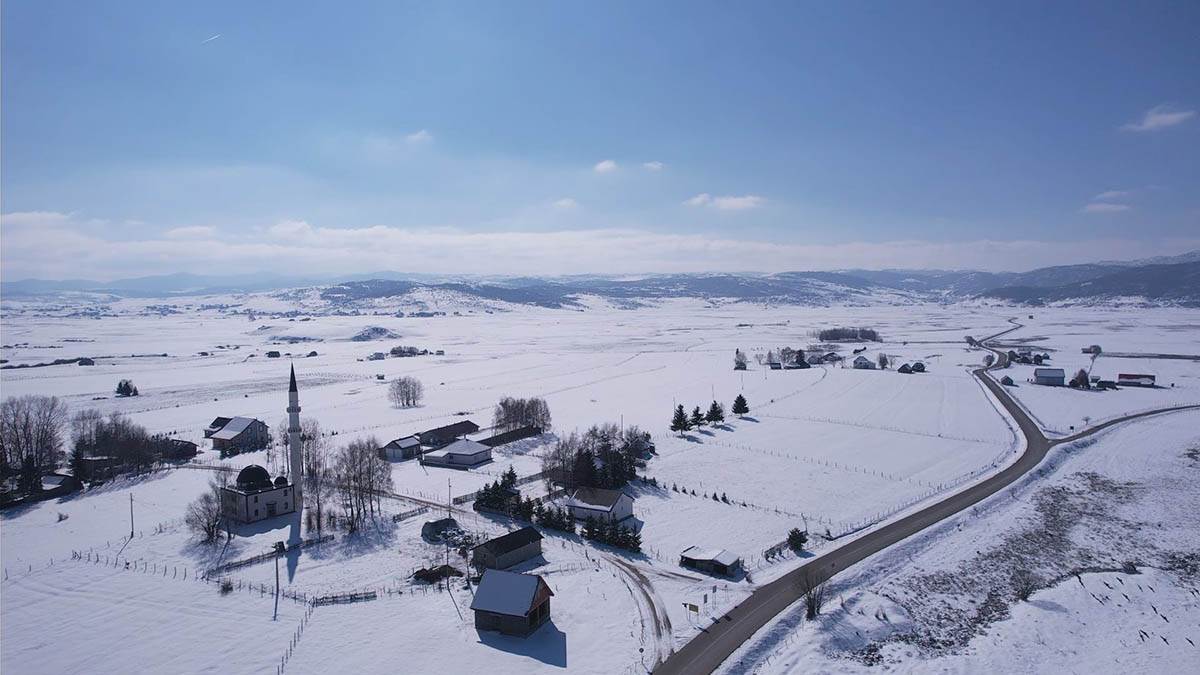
(711, 560)
(508, 550)
(511, 603)
(1052, 377)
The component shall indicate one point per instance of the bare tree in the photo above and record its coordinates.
(31, 437)
(360, 478)
(883, 361)
(406, 392)
(203, 516)
(514, 413)
(813, 592)
(1024, 583)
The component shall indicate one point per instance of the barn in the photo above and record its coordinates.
(508, 550)
(711, 560)
(1052, 377)
(401, 448)
(1135, 380)
(511, 603)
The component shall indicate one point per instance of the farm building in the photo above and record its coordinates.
(97, 468)
(904, 368)
(231, 435)
(918, 367)
(863, 363)
(601, 504)
(254, 496)
(1135, 380)
(508, 550)
(436, 438)
(511, 603)
(1092, 349)
(711, 560)
(401, 448)
(512, 436)
(461, 454)
(1053, 377)
(177, 449)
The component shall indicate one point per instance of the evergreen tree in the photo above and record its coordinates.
(509, 478)
(740, 407)
(680, 421)
(716, 414)
(697, 417)
(589, 528)
(634, 541)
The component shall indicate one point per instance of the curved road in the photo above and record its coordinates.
(705, 652)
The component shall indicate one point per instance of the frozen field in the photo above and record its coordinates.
(831, 448)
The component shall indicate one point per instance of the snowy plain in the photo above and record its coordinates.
(829, 448)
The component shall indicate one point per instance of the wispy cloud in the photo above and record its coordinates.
(1160, 117)
(1105, 207)
(210, 39)
(605, 166)
(653, 166)
(191, 232)
(727, 203)
(419, 137)
(565, 203)
(1111, 195)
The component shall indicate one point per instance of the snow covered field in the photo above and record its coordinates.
(828, 448)
(1120, 511)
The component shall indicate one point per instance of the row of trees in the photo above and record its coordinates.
(844, 333)
(613, 534)
(93, 435)
(554, 518)
(406, 392)
(604, 456)
(360, 478)
(515, 413)
(681, 421)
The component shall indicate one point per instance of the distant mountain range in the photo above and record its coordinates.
(1173, 281)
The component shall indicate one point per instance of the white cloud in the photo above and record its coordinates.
(653, 166)
(1111, 195)
(191, 232)
(82, 250)
(419, 137)
(565, 203)
(605, 166)
(1105, 207)
(1160, 117)
(728, 203)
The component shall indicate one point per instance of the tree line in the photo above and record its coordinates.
(681, 421)
(605, 456)
(847, 333)
(514, 413)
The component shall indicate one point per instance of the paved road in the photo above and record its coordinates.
(705, 652)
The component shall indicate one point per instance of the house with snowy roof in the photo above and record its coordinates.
(511, 603)
(231, 435)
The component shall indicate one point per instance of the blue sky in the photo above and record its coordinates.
(626, 137)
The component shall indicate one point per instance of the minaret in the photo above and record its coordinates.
(295, 444)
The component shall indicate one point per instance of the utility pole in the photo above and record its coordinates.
(131, 515)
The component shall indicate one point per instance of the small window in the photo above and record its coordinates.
(255, 499)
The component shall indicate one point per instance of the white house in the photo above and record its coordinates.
(601, 504)
(402, 448)
(461, 454)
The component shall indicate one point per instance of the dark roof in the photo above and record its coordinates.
(253, 477)
(220, 422)
(292, 384)
(512, 541)
(451, 430)
(597, 497)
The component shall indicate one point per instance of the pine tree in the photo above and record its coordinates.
(634, 541)
(509, 478)
(697, 417)
(680, 421)
(716, 414)
(740, 407)
(589, 528)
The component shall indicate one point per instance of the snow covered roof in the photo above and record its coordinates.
(508, 593)
(235, 426)
(512, 541)
(406, 442)
(717, 555)
(464, 447)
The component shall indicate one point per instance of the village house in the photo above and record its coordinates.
(401, 449)
(605, 505)
(231, 435)
(511, 603)
(507, 550)
(436, 438)
(461, 454)
(179, 450)
(1052, 377)
(863, 363)
(254, 496)
(711, 560)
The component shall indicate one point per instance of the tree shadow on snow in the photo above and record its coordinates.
(747, 418)
(705, 432)
(547, 644)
